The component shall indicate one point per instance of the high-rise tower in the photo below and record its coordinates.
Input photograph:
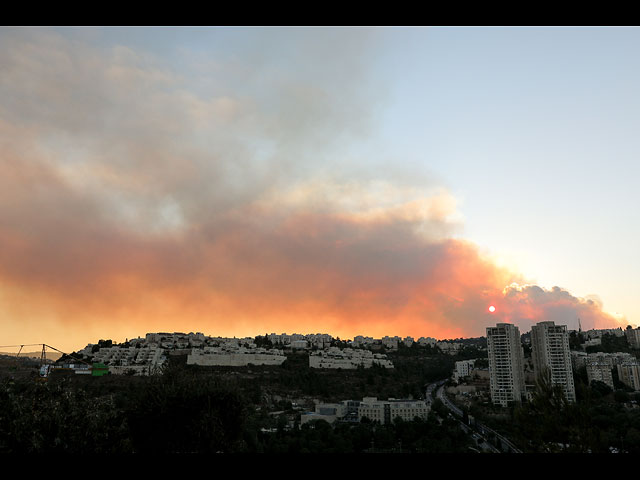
(506, 364)
(550, 353)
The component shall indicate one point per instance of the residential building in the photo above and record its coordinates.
(348, 358)
(633, 336)
(506, 364)
(391, 342)
(361, 341)
(450, 348)
(629, 374)
(462, 369)
(427, 341)
(329, 412)
(551, 355)
(233, 356)
(600, 371)
(385, 411)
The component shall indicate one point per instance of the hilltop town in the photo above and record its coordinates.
(145, 356)
(287, 383)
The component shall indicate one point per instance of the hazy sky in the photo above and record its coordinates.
(374, 181)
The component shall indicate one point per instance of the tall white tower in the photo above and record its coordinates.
(506, 364)
(550, 351)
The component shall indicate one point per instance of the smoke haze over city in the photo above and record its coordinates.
(239, 181)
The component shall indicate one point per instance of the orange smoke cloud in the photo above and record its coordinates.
(257, 270)
(129, 204)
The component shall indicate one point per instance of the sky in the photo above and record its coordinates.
(238, 181)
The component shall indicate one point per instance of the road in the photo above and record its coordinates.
(479, 432)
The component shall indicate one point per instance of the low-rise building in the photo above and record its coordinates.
(235, 357)
(382, 411)
(348, 358)
(329, 412)
(428, 341)
(361, 341)
(462, 369)
(386, 411)
(391, 342)
(450, 348)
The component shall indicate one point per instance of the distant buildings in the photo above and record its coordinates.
(385, 411)
(601, 372)
(381, 411)
(629, 374)
(348, 358)
(146, 355)
(633, 336)
(427, 341)
(462, 369)
(235, 357)
(506, 364)
(598, 333)
(600, 365)
(391, 342)
(551, 356)
(361, 341)
(298, 341)
(450, 348)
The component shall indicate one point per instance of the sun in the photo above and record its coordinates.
(492, 309)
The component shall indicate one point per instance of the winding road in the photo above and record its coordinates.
(479, 431)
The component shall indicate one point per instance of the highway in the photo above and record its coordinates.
(480, 432)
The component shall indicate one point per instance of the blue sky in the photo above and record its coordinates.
(535, 131)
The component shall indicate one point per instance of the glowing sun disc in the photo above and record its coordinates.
(492, 309)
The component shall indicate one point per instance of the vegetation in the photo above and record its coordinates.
(610, 344)
(418, 436)
(203, 409)
(603, 420)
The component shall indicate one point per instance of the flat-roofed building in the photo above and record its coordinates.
(462, 369)
(550, 353)
(633, 336)
(629, 374)
(386, 411)
(601, 372)
(506, 364)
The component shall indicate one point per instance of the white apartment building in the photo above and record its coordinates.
(391, 342)
(427, 341)
(581, 359)
(600, 371)
(348, 358)
(232, 356)
(361, 341)
(633, 337)
(382, 411)
(598, 333)
(629, 374)
(463, 369)
(385, 411)
(550, 352)
(506, 364)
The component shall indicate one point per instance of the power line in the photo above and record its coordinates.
(22, 345)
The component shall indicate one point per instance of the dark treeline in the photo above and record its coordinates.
(418, 436)
(206, 410)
